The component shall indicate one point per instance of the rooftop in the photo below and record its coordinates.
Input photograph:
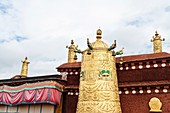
(130, 58)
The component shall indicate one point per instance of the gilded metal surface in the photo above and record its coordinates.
(24, 70)
(99, 33)
(155, 105)
(71, 53)
(98, 91)
(157, 43)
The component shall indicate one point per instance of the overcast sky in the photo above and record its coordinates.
(41, 29)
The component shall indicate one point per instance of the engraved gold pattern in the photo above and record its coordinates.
(98, 91)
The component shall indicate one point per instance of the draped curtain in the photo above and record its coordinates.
(31, 95)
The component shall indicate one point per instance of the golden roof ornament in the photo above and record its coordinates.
(72, 57)
(157, 42)
(98, 43)
(121, 60)
(156, 33)
(72, 46)
(99, 33)
(24, 70)
(98, 79)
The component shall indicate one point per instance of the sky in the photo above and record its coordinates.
(41, 30)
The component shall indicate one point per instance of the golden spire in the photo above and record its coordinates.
(71, 52)
(99, 33)
(24, 70)
(157, 43)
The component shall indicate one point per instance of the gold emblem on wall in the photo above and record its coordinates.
(155, 105)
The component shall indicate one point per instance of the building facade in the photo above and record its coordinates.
(143, 85)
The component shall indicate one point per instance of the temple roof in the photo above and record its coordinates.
(18, 80)
(70, 65)
(130, 58)
(143, 57)
(144, 83)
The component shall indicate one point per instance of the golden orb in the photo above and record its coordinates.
(99, 32)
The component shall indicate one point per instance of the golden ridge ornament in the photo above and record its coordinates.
(24, 70)
(71, 54)
(157, 43)
(98, 91)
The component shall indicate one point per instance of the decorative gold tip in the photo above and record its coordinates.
(157, 42)
(71, 52)
(156, 33)
(121, 60)
(26, 59)
(72, 46)
(24, 70)
(121, 51)
(99, 33)
(72, 42)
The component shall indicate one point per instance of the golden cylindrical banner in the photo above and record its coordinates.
(98, 91)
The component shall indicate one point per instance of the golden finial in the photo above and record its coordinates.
(156, 33)
(71, 52)
(24, 70)
(157, 42)
(99, 33)
(121, 60)
(71, 46)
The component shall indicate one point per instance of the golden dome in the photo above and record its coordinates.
(99, 44)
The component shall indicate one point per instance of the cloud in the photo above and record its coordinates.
(2, 41)
(4, 7)
(19, 38)
(138, 22)
(41, 29)
(167, 9)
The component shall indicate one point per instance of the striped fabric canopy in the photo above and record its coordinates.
(41, 92)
